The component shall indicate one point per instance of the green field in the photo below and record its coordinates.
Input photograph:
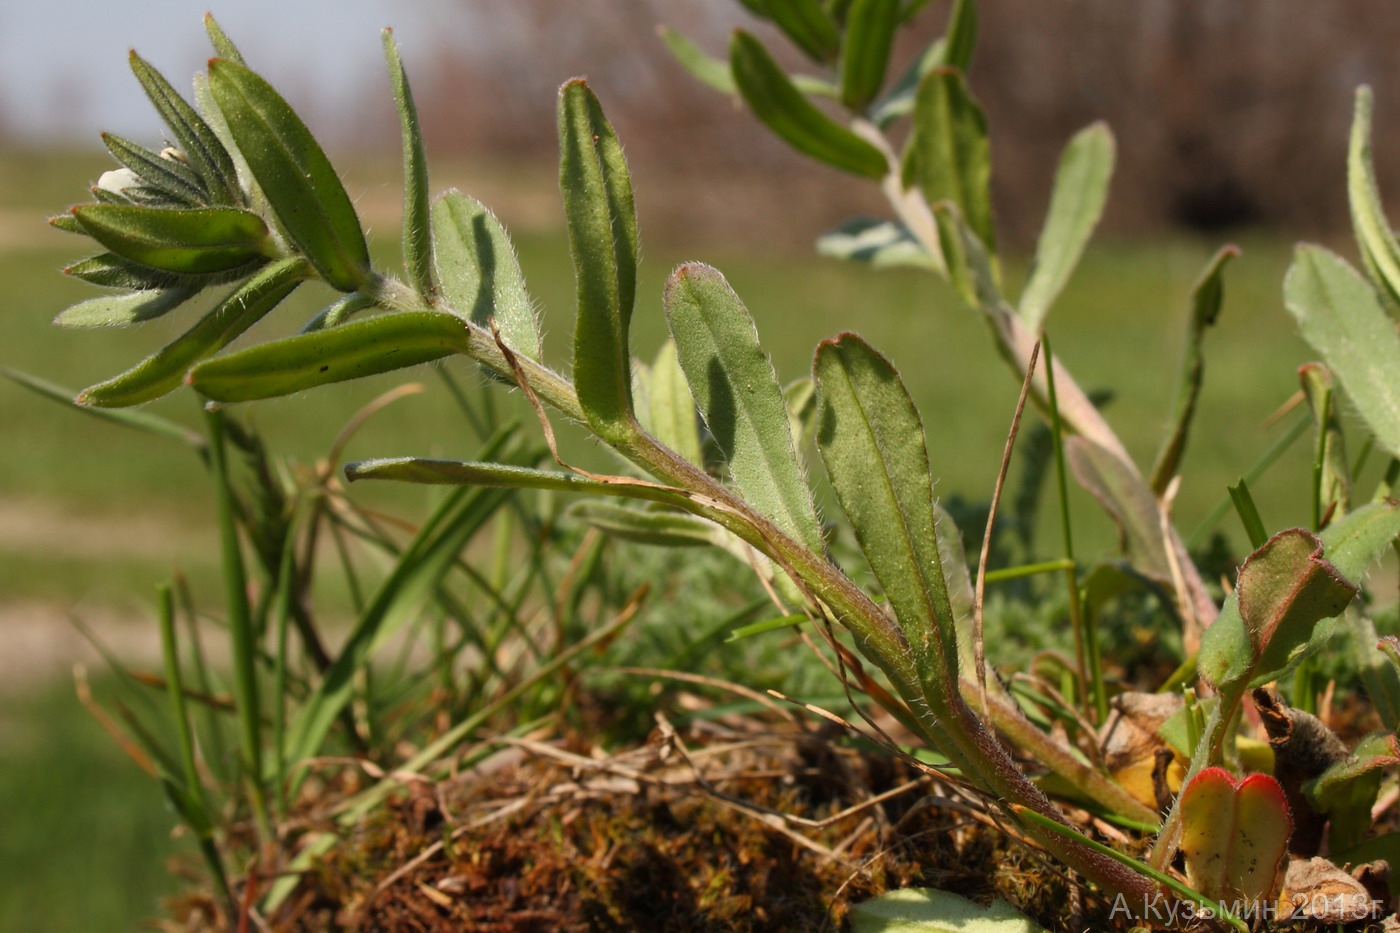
(93, 515)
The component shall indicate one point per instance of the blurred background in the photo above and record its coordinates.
(1231, 118)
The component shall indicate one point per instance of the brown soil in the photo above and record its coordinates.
(734, 826)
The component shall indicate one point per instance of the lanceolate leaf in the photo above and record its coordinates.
(1340, 316)
(119, 310)
(872, 442)
(336, 354)
(603, 238)
(961, 36)
(704, 68)
(191, 242)
(223, 45)
(163, 371)
(671, 406)
(170, 176)
(1380, 253)
(667, 529)
(1118, 487)
(296, 177)
(476, 473)
(477, 273)
(1206, 300)
(807, 25)
(417, 244)
(777, 102)
(948, 155)
(740, 398)
(112, 271)
(865, 50)
(1076, 204)
(200, 145)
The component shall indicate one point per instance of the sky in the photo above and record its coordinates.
(63, 63)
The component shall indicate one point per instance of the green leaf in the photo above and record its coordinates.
(120, 310)
(198, 142)
(1331, 470)
(777, 102)
(477, 273)
(1340, 316)
(948, 155)
(899, 99)
(171, 176)
(417, 242)
(1285, 589)
(1380, 253)
(960, 38)
(672, 408)
(925, 910)
(431, 472)
(809, 27)
(1377, 668)
(708, 70)
(739, 397)
(297, 179)
(1119, 488)
(664, 529)
(1347, 790)
(1076, 204)
(872, 442)
(109, 270)
(223, 45)
(882, 243)
(418, 572)
(1206, 300)
(865, 50)
(165, 370)
(191, 242)
(1248, 512)
(337, 354)
(602, 225)
(138, 420)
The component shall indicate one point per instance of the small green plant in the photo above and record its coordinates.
(247, 201)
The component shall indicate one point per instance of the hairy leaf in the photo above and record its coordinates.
(191, 242)
(602, 225)
(165, 370)
(737, 390)
(1341, 317)
(337, 354)
(865, 49)
(477, 273)
(297, 179)
(417, 241)
(872, 442)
